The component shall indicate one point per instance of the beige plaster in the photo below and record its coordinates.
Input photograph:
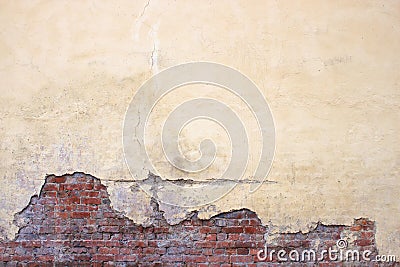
(328, 69)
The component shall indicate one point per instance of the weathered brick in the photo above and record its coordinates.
(233, 229)
(91, 200)
(72, 222)
(218, 258)
(194, 258)
(50, 187)
(241, 258)
(80, 214)
(56, 179)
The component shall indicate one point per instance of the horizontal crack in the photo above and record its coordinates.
(188, 181)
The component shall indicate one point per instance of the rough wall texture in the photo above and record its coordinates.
(328, 69)
(71, 223)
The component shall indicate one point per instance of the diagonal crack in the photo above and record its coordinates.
(144, 8)
(153, 56)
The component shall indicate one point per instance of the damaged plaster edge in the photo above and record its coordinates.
(272, 229)
(174, 214)
(155, 207)
(187, 181)
(312, 226)
(10, 226)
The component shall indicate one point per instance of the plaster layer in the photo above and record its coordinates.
(72, 223)
(329, 71)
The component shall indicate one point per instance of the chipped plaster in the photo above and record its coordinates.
(329, 71)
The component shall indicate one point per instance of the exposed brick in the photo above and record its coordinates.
(233, 229)
(194, 258)
(91, 200)
(50, 187)
(356, 228)
(241, 258)
(71, 223)
(56, 179)
(364, 242)
(218, 258)
(80, 214)
(242, 251)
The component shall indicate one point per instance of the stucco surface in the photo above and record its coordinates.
(329, 71)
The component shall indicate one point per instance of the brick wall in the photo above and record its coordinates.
(71, 223)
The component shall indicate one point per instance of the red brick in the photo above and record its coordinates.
(52, 194)
(232, 229)
(356, 228)
(224, 244)
(45, 258)
(241, 258)
(55, 179)
(138, 243)
(90, 194)
(70, 200)
(50, 187)
(76, 187)
(171, 258)
(211, 237)
(194, 258)
(221, 236)
(99, 187)
(131, 258)
(364, 242)
(218, 258)
(207, 251)
(251, 230)
(367, 235)
(206, 244)
(233, 237)
(89, 201)
(242, 251)
(80, 214)
(105, 250)
(100, 257)
(31, 244)
(81, 223)
(219, 251)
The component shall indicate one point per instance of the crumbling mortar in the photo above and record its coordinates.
(220, 221)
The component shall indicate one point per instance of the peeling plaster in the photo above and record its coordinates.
(331, 78)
